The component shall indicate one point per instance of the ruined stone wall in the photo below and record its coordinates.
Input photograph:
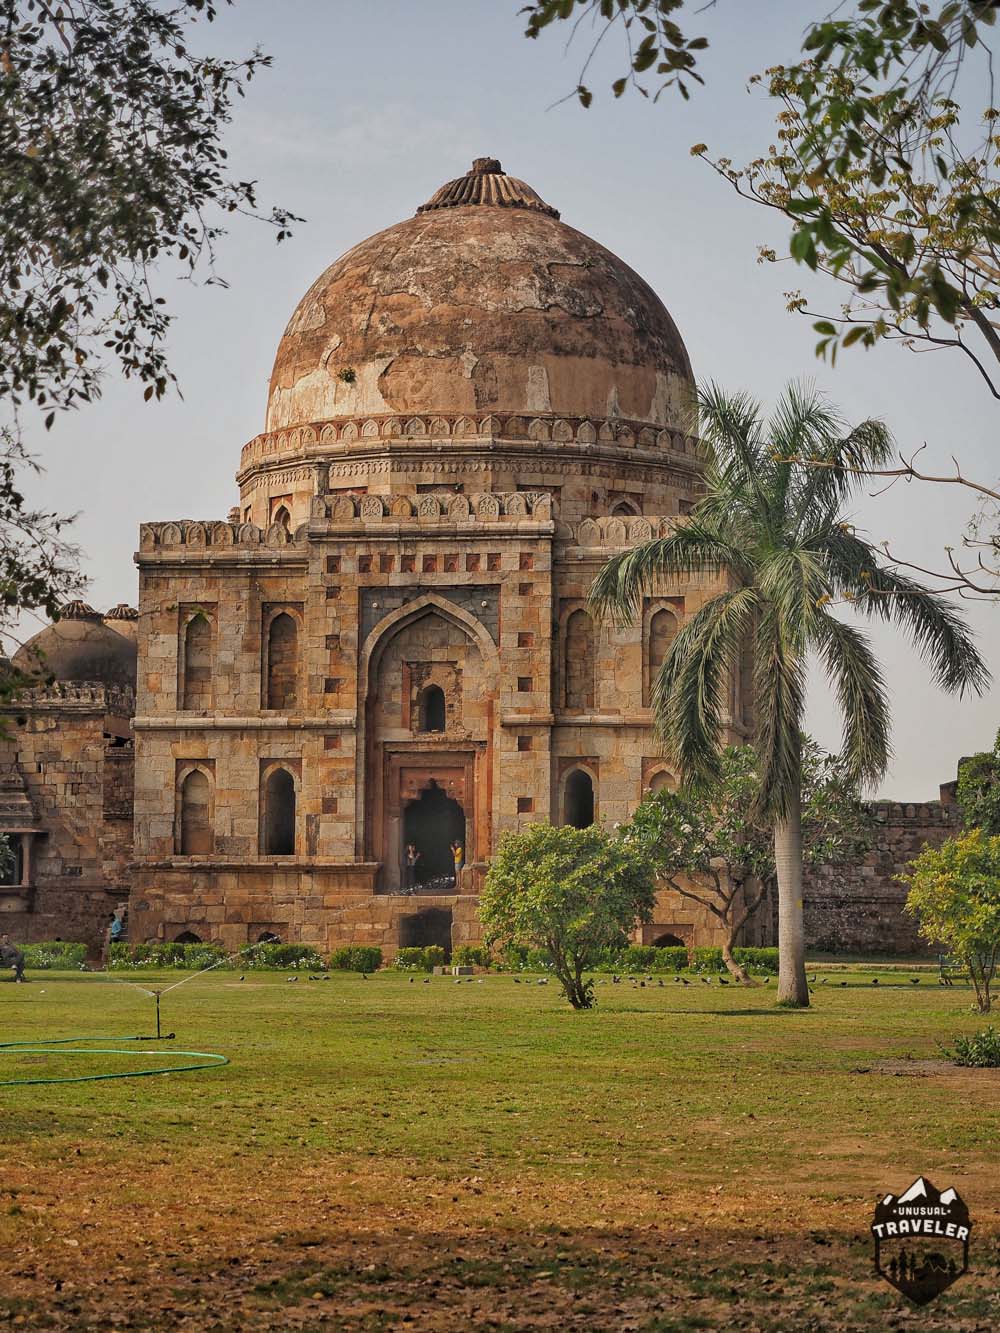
(858, 907)
(80, 791)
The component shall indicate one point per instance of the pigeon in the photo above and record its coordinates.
(812, 980)
(616, 981)
(843, 983)
(517, 981)
(723, 981)
(685, 981)
(705, 981)
(543, 981)
(660, 982)
(767, 981)
(242, 977)
(411, 980)
(642, 984)
(364, 976)
(823, 980)
(327, 977)
(677, 981)
(874, 981)
(914, 981)
(291, 978)
(320, 978)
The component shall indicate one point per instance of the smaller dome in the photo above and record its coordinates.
(79, 648)
(123, 619)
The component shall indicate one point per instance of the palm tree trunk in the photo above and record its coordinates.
(792, 986)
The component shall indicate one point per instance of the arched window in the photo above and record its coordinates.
(579, 665)
(188, 937)
(283, 518)
(624, 509)
(282, 661)
(197, 664)
(668, 942)
(196, 835)
(579, 799)
(662, 781)
(278, 824)
(661, 632)
(432, 709)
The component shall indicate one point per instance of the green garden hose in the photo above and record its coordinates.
(61, 1046)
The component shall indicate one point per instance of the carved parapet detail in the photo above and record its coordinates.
(617, 531)
(297, 441)
(197, 536)
(480, 507)
(87, 695)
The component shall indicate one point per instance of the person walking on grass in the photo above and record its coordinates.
(11, 956)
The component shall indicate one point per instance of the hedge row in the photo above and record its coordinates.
(61, 954)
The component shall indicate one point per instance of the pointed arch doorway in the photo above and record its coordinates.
(432, 823)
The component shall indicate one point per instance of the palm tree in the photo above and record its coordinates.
(772, 522)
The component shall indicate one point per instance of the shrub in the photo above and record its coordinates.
(185, 957)
(518, 958)
(758, 960)
(286, 957)
(981, 1051)
(424, 959)
(472, 955)
(356, 958)
(66, 955)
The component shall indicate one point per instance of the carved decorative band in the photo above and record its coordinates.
(543, 429)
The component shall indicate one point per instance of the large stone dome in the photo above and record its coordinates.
(79, 649)
(484, 301)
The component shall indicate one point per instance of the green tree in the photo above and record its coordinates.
(955, 892)
(573, 892)
(112, 175)
(979, 790)
(773, 525)
(711, 846)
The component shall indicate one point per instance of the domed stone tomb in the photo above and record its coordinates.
(384, 658)
(79, 648)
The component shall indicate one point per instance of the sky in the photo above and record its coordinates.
(369, 107)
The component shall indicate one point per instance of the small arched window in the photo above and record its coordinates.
(662, 781)
(196, 836)
(660, 637)
(278, 824)
(197, 664)
(283, 518)
(282, 661)
(432, 709)
(579, 811)
(579, 664)
(188, 937)
(624, 509)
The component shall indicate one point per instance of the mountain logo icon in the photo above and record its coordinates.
(921, 1240)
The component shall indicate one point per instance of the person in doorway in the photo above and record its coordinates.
(410, 866)
(11, 956)
(458, 852)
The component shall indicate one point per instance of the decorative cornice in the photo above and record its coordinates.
(299, 442)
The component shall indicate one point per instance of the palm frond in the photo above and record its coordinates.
(691, 691)
(619, 588)
(779, 679)
(861, 693)
(935, 626)
(832, 469)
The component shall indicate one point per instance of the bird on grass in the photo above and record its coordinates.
(823, 980)
(543, 981)
(812, 980)
(315, 978)
(326, 976)
(767, 981)
(427, 981)
(874, 981)
(291, 978)
(723, 981)
(660, 983)
(411, 980)
(685, 982)
(914, 981)
(364, 976)
(517, 981)
(242, 977)
(843, 983)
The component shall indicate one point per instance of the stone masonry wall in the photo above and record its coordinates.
(858, 908)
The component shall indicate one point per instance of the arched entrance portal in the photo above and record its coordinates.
(432, 824)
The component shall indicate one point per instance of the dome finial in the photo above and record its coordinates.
(487, 185)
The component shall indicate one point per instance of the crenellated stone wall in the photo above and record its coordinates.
(858, 907)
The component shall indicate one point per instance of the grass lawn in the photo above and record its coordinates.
(388, 1153)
